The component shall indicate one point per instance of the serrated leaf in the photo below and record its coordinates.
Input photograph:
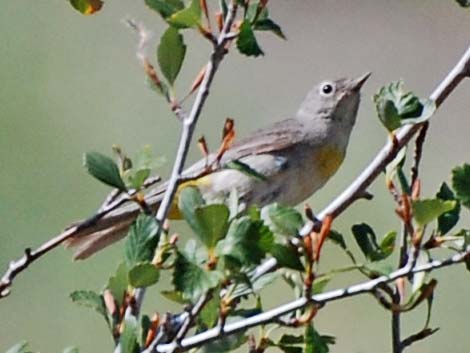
(447, 220)
(269, 25)
(141, 241)
(128, 338)
(104, 169)
(282, 219)
(91, 300)
(245, 169)
(21, 347)
(209, 222)
(118, 283)
(191, 279)
(165, 8)
(396, 107)
(187, 17)
(461, 183)
(170, 53)
(247, 241)
(316, 343)
(143, 274)
(287, 256)
(427, 210)
(246, 40)
(87, 7)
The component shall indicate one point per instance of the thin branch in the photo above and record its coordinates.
(272, 315)
(385, 155)
(189, 126)
(17, 266)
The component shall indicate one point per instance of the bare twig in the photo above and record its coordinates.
(272, 315)
(17, 266)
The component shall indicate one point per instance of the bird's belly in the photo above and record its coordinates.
(291, 177)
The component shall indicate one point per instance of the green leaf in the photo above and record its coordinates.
(320, 284)
(71, 350)
(291, 339)
(461, 183)
(104, 169)
(91, 300)
(427, 210)
(118, 284)
(316, 343)
(209, 315)
(143, 274)
(87, 7)
(191, 279)
(247, 241)
(145, 324)
(245, 169)
(138, 178)
(170, 54)
(187, 17)
(337, 238)
(246, 40)
(21, 347)
(367, 241)
(209, 222)
(141, 241)
(144, 159)
(225, 344)
(223, 6)
(395, 107)
(175, 296)
(165, 8)
(269, 25)
(282, 219)
(128, 338)
(387, 245)
(287, 256)
(447, 220)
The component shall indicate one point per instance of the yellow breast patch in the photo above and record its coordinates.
(328, 159)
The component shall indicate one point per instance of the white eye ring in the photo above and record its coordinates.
(327, 89)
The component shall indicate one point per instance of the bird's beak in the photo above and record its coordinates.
(357, 83)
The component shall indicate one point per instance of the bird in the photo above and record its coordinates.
(296, 157)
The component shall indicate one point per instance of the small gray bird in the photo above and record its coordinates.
(296, 156)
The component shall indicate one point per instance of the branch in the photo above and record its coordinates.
(384, 157)
(189, 126)
(323, 298)
(17, 266)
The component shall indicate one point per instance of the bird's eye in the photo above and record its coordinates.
(327, 89)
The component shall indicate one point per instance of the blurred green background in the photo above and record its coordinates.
(71, 84)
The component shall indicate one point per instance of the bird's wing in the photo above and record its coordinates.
(113, 226)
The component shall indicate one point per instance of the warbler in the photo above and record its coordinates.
(295, 156)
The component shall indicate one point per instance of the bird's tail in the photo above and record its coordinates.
(90, 237)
